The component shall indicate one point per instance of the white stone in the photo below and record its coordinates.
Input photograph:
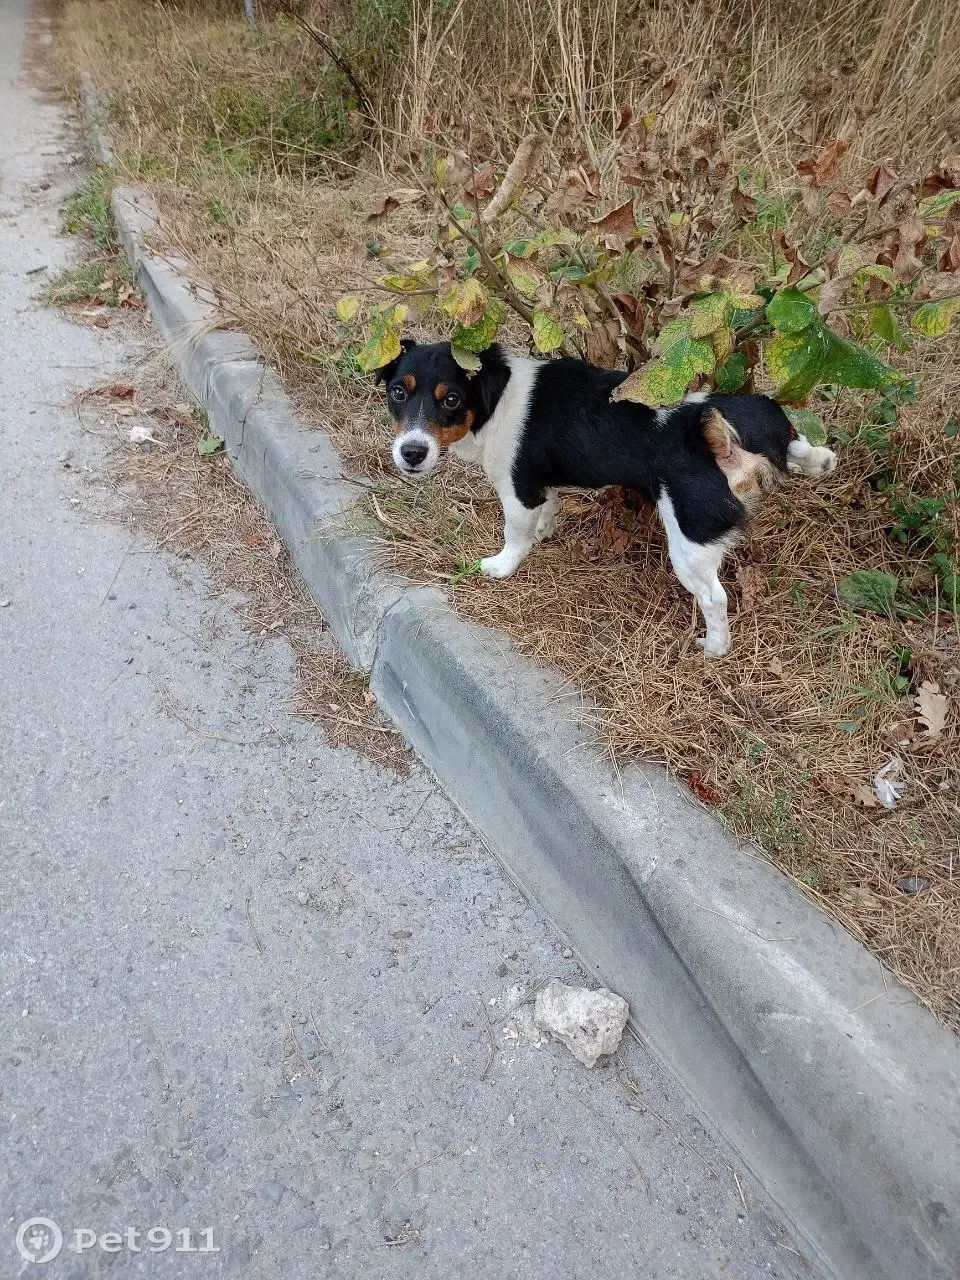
(589, 1023)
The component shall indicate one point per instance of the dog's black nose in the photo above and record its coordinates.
(413, 452)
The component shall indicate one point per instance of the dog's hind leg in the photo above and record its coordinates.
(547, 520)
(697, 565)
(810, 459)
(519, 534)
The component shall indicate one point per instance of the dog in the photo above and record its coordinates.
(538, 425)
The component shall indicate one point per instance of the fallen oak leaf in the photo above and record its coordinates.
(911, 236)
(932, 708)
(844, 787)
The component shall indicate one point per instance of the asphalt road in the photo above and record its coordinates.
(246, 984)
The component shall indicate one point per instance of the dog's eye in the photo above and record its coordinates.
(398, 394)
(452, 401)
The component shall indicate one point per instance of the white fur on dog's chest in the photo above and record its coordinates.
(495, 445)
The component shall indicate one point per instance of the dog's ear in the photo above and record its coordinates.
(386, 371)
(492, 379)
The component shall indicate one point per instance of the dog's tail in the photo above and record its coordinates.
(749, 475)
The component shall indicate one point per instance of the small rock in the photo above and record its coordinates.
(913, 884)
(5, 603)
(589, 1023)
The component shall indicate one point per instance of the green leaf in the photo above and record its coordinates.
(655, 384)
(547, 334)
(708, 314)
(209, 444)
(850, 365)
(419, 275)
(689, 356)
(933, 319)
(468, 360)
(525, 283)
(665, 381)
(938, 205)
(732, 374)
(567, 271)
(521, 248)
(671, 333)
(798, 361)
(383, 345)
(791, 311)
(875, 271)
(348, 308)
(884, 324)
(722, 341)
(466, 301)
(745, 301)
(793, 362)
(870, 589)
(808, 423)
(477, 337)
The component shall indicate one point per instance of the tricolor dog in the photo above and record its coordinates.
(537, 425)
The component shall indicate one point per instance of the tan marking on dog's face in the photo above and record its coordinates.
(749, 475)
(410, 382)
(440, 391)
(453, 431)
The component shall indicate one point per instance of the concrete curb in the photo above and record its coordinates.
(843, 1104)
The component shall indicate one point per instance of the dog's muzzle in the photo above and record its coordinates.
(415, 452)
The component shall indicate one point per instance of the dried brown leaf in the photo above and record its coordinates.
(620, 223)
(932, 710)
(744, 206)
(390, 200)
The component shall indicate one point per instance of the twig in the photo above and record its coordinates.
(123, 560)
(492, 1043)
(324, 42)
(253, 929)
(632, 1088)
(629, 1154)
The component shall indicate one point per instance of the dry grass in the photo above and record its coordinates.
(196, 508)
(814, 698)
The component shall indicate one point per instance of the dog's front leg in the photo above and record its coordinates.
(519, 532)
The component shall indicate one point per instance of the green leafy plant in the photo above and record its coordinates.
(645, 285)
(870, 589)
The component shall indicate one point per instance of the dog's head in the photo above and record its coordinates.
(435, 402)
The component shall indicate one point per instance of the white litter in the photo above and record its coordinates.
(888, 785)
(141, 435)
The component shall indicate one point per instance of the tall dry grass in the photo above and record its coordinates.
(502, 67)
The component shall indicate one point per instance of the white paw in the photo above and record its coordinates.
(714, 646)
(501, 566)
(546, 526)
(817, 462)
